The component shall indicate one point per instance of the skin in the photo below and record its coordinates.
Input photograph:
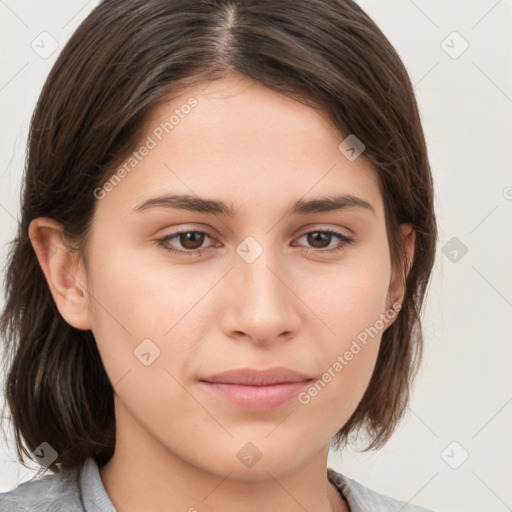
(177, 443)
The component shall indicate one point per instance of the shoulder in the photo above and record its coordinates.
(360, 497)
(56, 493)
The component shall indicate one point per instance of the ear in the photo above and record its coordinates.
(63, 269)
(396, 290)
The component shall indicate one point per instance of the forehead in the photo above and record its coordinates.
(237, 138)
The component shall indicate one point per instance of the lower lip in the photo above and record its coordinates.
(257, 398)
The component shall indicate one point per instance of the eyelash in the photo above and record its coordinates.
(344, 240)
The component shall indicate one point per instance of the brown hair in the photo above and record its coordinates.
(129, 56)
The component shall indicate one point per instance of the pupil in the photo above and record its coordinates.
(312, 238)
(187, 240)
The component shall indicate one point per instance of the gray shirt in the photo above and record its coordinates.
(63, 493)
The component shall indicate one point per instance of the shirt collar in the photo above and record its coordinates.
(92, 491)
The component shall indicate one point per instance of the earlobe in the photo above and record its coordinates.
(63, 270)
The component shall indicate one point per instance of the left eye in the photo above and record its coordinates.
(326, 235)
(191, 241)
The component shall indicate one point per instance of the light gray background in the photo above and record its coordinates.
(463, 392)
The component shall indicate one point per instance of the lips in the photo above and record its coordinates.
(250, 377)
(256, 390)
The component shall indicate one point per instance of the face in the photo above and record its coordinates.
(262, 283)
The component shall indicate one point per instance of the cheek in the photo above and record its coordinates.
(124, 308)
(352, 304)
(352, 295)
(136, 298)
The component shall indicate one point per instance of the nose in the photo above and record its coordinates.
(259, 301)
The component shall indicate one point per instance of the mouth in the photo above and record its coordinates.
(257, 390)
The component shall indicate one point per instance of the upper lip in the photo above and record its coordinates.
(250, 377)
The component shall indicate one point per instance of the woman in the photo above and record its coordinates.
(227, 233)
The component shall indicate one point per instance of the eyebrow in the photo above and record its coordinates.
(301, 207)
